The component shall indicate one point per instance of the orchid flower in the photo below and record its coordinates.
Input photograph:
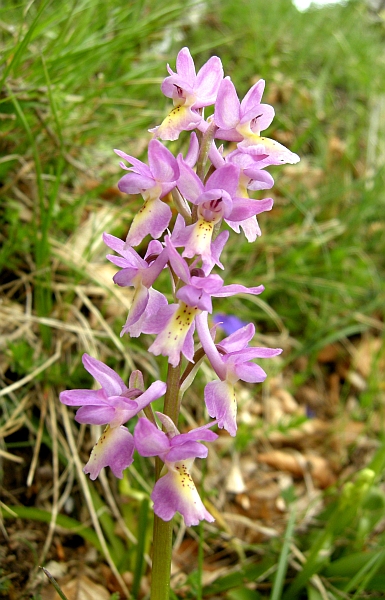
(153, 182)
(112, 405)
(141, 274)
(189, 92)
(252, 177)
(175, 323)
(231, 360)
(243, 122)
(175, 491)
(216, 200)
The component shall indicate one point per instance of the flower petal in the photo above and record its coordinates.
(95, 415)
(82, 397)
(250, 372)
(114, 449)
(156, 302)
(221, 404)
(132, 183)
(181, 118)
(189, 449)
(253, 96)
(189, 183)
(149, 440)
(235, 288)
(108, 379)
(227, 106)
(207, 82)
(153, 218)
(185, 66)
(239, 339)
(176, 492)
(163, 164)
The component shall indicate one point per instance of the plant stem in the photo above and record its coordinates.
(162, 540)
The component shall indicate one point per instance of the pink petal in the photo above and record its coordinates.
(83, 397)
(95, 415)
(115, 449)
(138, 166)
(239, 339)
(250, 372)
(222, 405)
(260, 117)
(208, 81)
(189, 183)
(225, 178)
(163, 164)
(189, 449)
(176, 492)
(108, 379)
(113, 242)
(244, 209)
(132, 183)
(152, 219)
(261, 180)
(227, 107)
(185, 66)
(253, 96)
(156, 302)
(250, 227)
(193, 151)
(149, 440)
(235, 288)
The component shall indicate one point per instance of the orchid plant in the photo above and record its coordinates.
(210, 189)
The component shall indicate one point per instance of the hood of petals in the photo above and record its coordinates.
(216, 201)
(225, 178)
(170, 87)
(198, 298)
(189, 449)
(133, 183)
(259, 117)
(211, 283)
(149, 440)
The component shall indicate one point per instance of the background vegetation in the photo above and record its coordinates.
(302, 513)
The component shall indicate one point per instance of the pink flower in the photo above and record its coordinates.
(215, 200)
(112, 405)
(140, 273)
(175, 324)
(153, 182)
(190, 92)
(231, 360)
(175, 491)
(243, 122)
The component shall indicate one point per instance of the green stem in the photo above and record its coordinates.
(162, 540)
